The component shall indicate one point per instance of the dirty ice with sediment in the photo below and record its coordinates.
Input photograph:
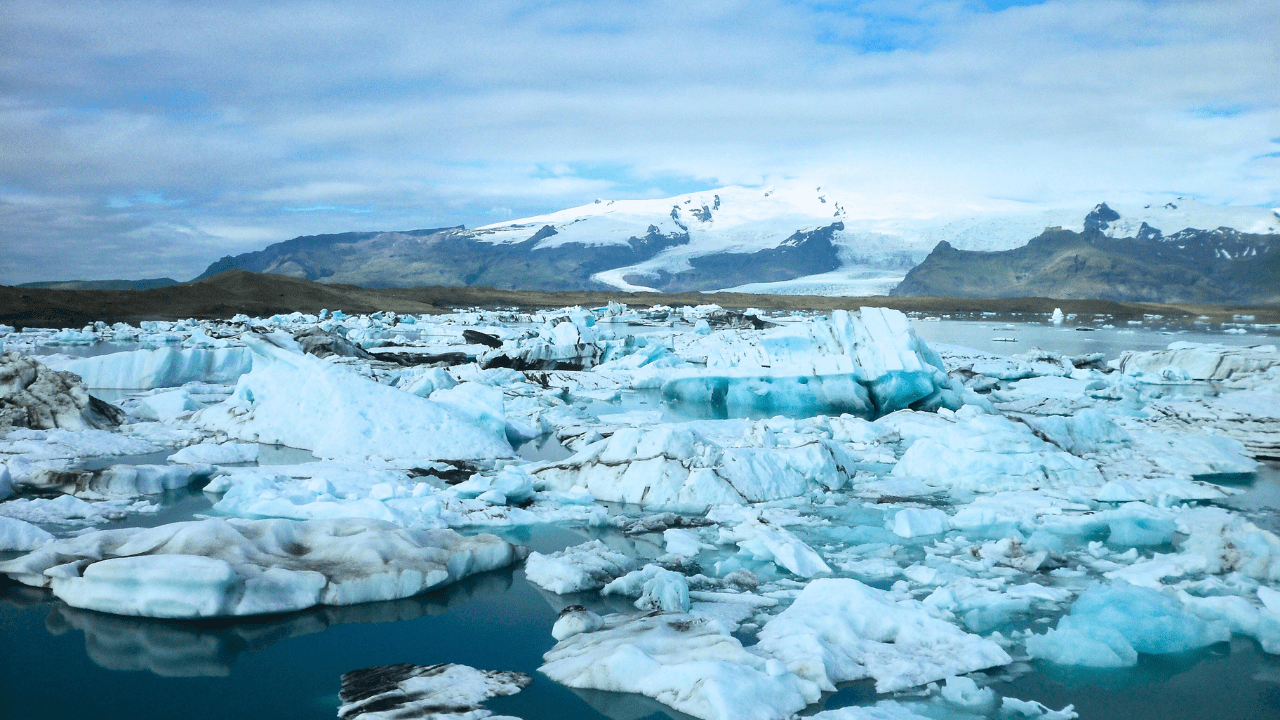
(780, 505)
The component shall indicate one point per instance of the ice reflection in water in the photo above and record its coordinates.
(288, 666)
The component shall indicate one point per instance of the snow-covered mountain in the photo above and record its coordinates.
(801, 238)
(874, 251)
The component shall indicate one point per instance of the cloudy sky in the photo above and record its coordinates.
(145, 139)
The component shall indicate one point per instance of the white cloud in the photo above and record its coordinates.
(434, 114)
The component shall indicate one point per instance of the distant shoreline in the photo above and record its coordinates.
(236, 291)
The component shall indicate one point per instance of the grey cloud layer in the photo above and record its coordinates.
(260, 121)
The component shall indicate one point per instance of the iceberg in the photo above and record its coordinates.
(688, 663)
(839, 630)
(304, 402)
(1110, 626)
(867, 366)
(162, 368)
(674, 466)
(21, 536)
(589, 566)
(1199, 361)
(224, 568)
(32, 395)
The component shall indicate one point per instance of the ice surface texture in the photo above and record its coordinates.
(691, 664)
(165, 367)
(1110, 626)
(218, 568)
(32, 395)
(425, 692)
(839, 630)
(866, 366)
(304, 402)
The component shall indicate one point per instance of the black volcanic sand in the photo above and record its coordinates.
(237, 291)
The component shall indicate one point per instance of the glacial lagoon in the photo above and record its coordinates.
(61, 661)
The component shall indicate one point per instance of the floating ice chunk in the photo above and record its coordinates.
(588, 566)
(1200, 361)
(1138, 524)
(840, 630)
(512, 485)
(219, 568)
(691, 664)
(165, 367)
(21, 536)
(573, 620)
(424, 381)
(1192, 453)
(769, 542)
(117, 481)
(425, 692)
(1089, 430)
(674, 466)
(658, 589)
(1058, 317)
(912, 522)
(1240, 616)
(216, 454)
(62, 509)
(304, 402)
(683, 543)
(1110, 626)
(165, 406)
(6, 482)
(964, 693)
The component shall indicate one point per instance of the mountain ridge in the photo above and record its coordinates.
(793, 240)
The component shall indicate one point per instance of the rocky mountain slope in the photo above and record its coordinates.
(789, 240)
(1220, 266)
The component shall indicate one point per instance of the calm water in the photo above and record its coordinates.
(1067, 340)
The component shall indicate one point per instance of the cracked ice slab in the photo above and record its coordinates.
(840, 630)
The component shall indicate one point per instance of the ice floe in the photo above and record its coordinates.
(219, 568)
(771, 504)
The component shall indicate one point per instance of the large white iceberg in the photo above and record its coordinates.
(868, 365)
(304, 402)
(165, 367)
(675, 466)
(220, 568)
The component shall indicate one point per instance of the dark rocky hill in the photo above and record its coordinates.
(1221, 266)
(148, 284)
